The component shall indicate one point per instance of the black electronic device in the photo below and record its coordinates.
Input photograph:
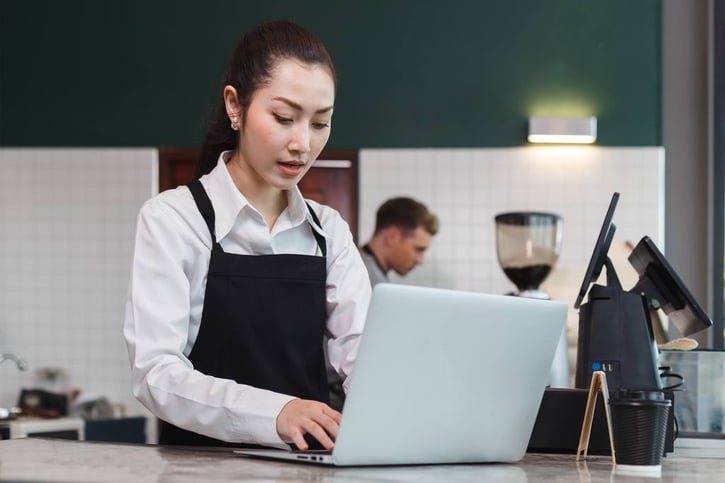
(601, 248)
(559, 423)
(615, 334)
(664, 290)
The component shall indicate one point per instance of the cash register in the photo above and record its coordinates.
(616, 336)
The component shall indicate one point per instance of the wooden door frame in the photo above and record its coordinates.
(352, 156)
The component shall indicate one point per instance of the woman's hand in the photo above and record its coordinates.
(301, 416)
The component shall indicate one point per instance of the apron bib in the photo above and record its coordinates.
(262, 324)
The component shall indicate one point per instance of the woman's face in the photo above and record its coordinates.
(287, 124)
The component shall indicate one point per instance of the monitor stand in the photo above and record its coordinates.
(615, 336)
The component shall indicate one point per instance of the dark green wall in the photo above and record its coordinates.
(411, 73)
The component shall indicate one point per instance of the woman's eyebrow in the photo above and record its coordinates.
(298, 107)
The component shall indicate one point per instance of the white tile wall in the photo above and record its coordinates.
(468, 187)
(67, 219)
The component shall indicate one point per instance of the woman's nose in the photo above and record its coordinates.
(300, 142)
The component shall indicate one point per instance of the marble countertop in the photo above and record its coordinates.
(55, 460)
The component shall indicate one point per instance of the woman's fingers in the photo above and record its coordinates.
(298, 439)
(299, 417)
(335, 415)
(320, 434)
(329, 423)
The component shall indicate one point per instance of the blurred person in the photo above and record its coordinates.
(403, 232)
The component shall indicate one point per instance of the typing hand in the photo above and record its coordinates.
(301, 416)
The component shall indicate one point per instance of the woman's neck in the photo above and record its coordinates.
(269, 201)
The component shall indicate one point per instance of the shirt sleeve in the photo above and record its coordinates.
(169, 245)
(348, 296)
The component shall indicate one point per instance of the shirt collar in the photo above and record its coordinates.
(228, 202)
(297, 213)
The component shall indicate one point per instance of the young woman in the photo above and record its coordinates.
(236, 278)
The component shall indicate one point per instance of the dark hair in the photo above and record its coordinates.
(407, 214)
(255, 56)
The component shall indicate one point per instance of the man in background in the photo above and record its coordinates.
(403, 231)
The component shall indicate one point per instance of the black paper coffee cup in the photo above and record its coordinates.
(640, 426)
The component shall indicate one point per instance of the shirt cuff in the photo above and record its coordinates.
(264, 425)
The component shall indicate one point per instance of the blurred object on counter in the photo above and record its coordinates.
(528, 246)
(700, 407)
(99, 408)
(35, 427)
(96, 407)
(20, 363)
(48, 398)
(562, 285)
(119, 430)
(105, 421)
(52, 379)
(7, 414)
(38, 402)
(681, 344)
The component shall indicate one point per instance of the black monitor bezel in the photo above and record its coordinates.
(601, 249)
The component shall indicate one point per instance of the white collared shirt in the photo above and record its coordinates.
(166, 297)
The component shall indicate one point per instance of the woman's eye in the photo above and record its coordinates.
(320, 125)
(282, 119)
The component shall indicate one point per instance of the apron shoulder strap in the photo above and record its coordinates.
(321, 242)
(204, 204)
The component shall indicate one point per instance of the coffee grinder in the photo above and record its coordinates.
(528, 246)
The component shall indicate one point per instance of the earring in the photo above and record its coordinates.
(235, 123)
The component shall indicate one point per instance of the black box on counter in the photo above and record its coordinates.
(38, 402)
(559, 423)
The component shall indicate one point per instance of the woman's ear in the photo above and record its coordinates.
(231, 104)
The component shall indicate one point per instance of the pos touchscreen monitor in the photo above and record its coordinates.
(599, 255)
(658, 281)
(663, 289)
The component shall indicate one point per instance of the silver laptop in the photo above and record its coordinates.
(443, 376)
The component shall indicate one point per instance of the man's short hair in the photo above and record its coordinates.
(406, 214)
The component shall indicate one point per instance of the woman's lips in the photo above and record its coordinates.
(290, 168)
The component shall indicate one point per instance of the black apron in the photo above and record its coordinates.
(262, 324)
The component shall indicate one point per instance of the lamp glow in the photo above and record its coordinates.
(563, 130)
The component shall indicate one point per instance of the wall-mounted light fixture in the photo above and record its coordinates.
(563, 130)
